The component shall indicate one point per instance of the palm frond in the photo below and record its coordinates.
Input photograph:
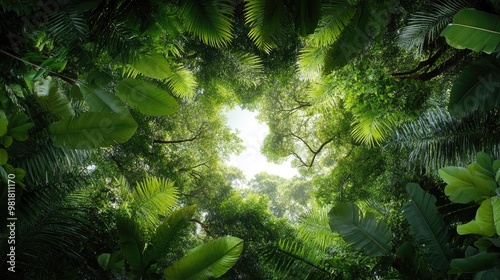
(295, 261)
(266, 20)
(68, 26)
(152, 197)
(322, 96)
(49, 224)
(371, 130)
(336, 15)
(210, 20)
(436, 139)
(425, 27)
(311, 61)
(369, 21)
(314, 229)
(182, 82)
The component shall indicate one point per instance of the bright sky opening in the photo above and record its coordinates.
(253, 132)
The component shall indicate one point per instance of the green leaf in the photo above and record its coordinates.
(167, 234)
(475, 30)
(146, 98)
(210, 21)
(92, 130)
(495, 204)
(113, 261)
(461, 186)
(427, 226)
(482, 224)
(131, 241)
(476, 263)
(362, 232)
(53, 101)
(7, 140)
(369, 21)
(19, 125)
(100, 101)
(476, 88)
(307, 15)
(266, 19)
(207, 261)
(152, 197)
(4, 122)
(4, 157)
(155, 66)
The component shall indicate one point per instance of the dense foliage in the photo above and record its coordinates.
(114, 140)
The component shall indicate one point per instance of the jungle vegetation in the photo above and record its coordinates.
(114, 143)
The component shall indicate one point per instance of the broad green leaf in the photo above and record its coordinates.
(146, 98)
(19, 125)
(361, 231)
(476, 263)
(155, 66)
(495, 204)
(101, 101)
(208, 261)
(7, 140)
(427, 226)
(92, 130)
(4, 122)
(475, 30)
(476, 88)
(4, 157)
(168, 234)
(113, 261)
(482, 224)
(131, 241)
(485, 275)
(461, 188)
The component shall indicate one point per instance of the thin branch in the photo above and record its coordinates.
(61, 76)
(204, 226)
(196, 136)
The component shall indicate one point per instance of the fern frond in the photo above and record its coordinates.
(210, 20)
(152, 197)
(336, 15)
(436, 139)
(68, 26)
(266, 20)
(372, 130)
(182, 82)
(294, 261)
(311, 61)
(314, 229)
(425, 27)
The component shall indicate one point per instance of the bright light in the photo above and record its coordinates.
(253, 132)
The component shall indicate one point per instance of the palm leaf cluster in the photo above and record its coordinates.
(424, 27)
(296, 261)
(436, 139)
(50, 225)
(211, 21)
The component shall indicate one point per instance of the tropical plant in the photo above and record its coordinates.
(436, 139)
(142, 252)
(478, 183)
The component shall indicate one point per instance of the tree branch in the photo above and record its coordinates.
(61, 76)
(196, 136)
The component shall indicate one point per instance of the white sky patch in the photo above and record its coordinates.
(253, 132)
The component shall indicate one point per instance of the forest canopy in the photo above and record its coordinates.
(114, 141)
